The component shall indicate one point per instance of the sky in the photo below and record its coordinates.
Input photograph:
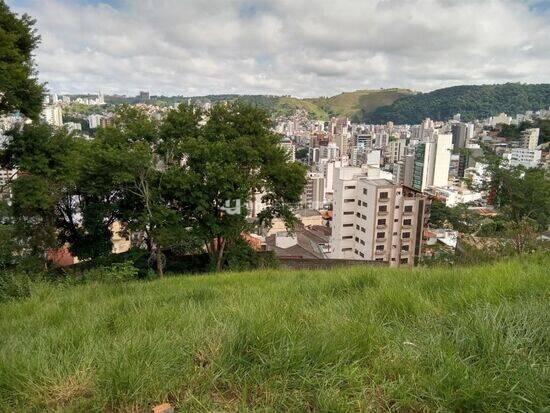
(287, 47)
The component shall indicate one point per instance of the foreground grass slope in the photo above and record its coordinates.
(355, 339)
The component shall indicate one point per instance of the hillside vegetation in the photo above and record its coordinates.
(355, 339)
(472, 102)
(360, 103)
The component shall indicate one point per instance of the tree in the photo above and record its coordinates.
(19, 87)
(225, 162)
(43, 158)
(517, 191)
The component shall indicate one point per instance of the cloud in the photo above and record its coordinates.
(297, 47)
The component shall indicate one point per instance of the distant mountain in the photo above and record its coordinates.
(360, 103)
(355, 105)
(472, 102)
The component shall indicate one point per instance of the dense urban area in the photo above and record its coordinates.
(376, 250)
(439, 191)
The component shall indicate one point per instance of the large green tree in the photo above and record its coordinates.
(222, 165)
(19, 87)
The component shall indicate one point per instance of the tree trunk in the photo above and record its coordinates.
(159, 264)
(220, 247)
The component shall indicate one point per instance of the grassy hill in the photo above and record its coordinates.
(472, 102)
(356, 339)
(359, 103)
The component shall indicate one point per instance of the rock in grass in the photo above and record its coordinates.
(163, 408)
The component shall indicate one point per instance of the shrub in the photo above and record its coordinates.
(14, 286)
(117, 272)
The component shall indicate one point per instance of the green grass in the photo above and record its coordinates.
(355, 339)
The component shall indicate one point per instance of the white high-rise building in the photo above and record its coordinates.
(530, 138)
(94, 121)
(290, 148)
(314, 191)
(431, 162)
(375, 220)
(53, 115)
(330, 152)
(529, 158)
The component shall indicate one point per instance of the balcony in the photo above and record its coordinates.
(379, 252)
(383, 226)
(383, 199)
(381, 239)
(382, 213)
(405, 253)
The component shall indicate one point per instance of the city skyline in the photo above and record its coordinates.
(298, 48)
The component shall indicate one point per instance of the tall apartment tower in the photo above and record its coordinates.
(459, 132)
(375, 220)
(314, 191)
(530, 138)
(431, 162)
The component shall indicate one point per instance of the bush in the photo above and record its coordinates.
(241, 257)
(117, 272)
(14, 286)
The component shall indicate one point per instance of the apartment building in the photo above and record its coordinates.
(530, 138)
(375, 220)
(314, 191)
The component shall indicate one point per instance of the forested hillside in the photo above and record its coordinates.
(472, 102)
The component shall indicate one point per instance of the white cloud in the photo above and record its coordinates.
(298, 47)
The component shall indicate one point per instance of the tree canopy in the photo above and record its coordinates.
(183, 182)
(19, 87)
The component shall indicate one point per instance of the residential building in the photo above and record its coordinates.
(314, 191)
(94, 121)
(528, 158)
(375, 220)
(53, 115)
(530, 138)
(431, 162)
(289, 148)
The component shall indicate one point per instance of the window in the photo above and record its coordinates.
(406, 235)
(397, 207)
(363, 229)
(357, 227)
(404, 260)
(348, 213)
(347, 237)
(364, 217)
(364, 191)
(407, 222)
(395, 233)
(380, 235)
(350, 187)
(379, 248)
(380, 259)
(362, 255)
(383, 208)
(359, 202)
(358, 215)
(408, 208)
(381, 222)
(355, 251)
(404, 248)
(356, 239)
(383, 195)
(347, 201)
(346, 249)
(362, 242)
(347, 225)
(395, 220)
(365, 204)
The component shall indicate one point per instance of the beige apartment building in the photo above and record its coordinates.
(376, 220)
